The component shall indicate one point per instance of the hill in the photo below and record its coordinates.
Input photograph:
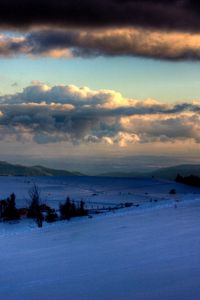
(124, 174)
(7, 169)
(171, 172)
(164, 173)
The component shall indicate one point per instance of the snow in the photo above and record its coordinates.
(93, 189)
(145, 253)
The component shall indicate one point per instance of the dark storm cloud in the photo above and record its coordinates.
(106, 42)
(179, 15)
(89, 28)
(115, 42)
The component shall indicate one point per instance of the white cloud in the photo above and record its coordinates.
(80, 115)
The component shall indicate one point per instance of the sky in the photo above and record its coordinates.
(84, 83)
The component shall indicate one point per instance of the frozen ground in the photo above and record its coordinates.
(146, 253)
(93, 189)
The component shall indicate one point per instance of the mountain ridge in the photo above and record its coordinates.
(164, 173)
(8, 169)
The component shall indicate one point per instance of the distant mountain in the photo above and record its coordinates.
(164, 173)
(7, 169)
(124, 174)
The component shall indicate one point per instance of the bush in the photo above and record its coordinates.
(172, 192)
(51, 216)
(128, 204)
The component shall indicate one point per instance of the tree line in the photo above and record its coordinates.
(38, 211)
(189, 180)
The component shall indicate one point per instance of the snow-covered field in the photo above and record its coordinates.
(143, 253)
(93, 189)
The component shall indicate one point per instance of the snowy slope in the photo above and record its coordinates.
(131, 254)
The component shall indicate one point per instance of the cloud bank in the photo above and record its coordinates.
(107, 42)
(77, 115)
(90, 28)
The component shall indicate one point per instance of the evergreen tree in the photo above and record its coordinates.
(66, 210)
(69, 210)
(82, 211)
(11, 212)
(3, 206)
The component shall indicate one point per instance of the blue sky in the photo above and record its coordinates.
(134, 77)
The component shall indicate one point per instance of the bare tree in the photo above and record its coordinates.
(34, 210)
